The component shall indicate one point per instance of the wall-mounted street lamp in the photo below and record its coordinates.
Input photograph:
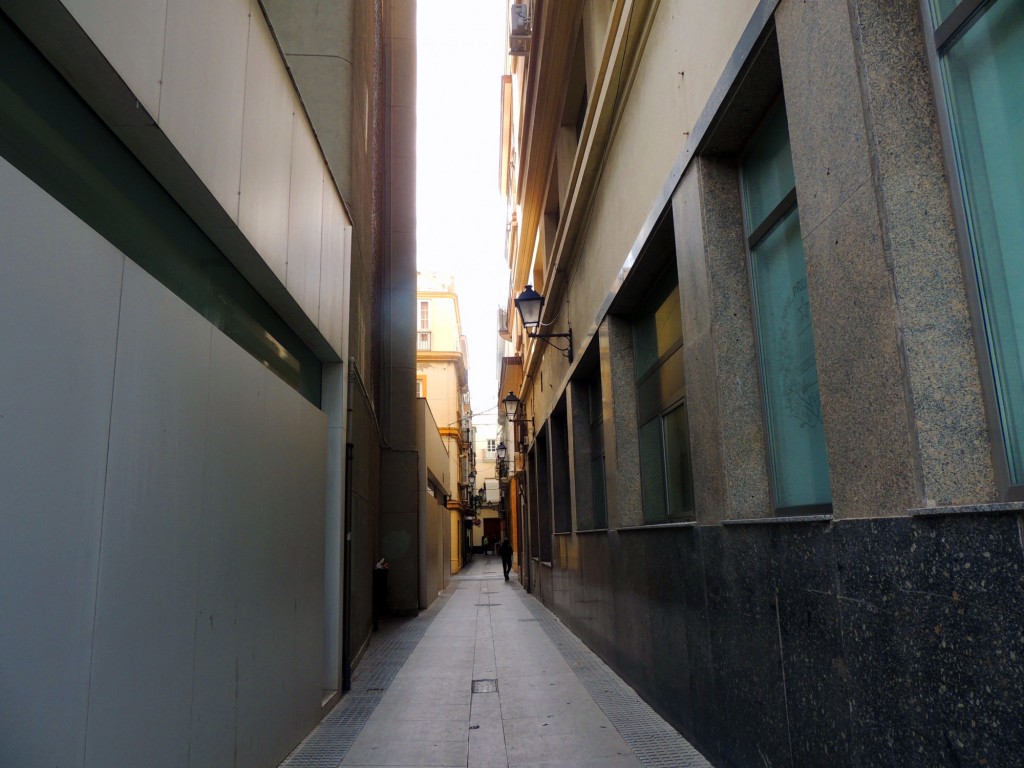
(472, 478)
(529, 303)
(502, 453)
(510, 405)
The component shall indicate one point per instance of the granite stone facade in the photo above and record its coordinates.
(874, 643)
(882, 629)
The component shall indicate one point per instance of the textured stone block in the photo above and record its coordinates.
(749, 702)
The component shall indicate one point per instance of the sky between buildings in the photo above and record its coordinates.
(460, 227)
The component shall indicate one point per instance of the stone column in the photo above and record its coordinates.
(723, 401)
(621, 432)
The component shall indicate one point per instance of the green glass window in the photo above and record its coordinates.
(665, 468)
(789, 373)
(677, 459)
(941, 9)
(982, 60)
(652, 471)
(598, 488)
(657, 330)
(598, 491)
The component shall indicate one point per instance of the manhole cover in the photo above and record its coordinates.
(485, 686)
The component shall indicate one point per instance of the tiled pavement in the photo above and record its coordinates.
(488, 677)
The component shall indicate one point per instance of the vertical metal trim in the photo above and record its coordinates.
(957, 23)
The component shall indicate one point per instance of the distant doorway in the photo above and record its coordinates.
(492, 530)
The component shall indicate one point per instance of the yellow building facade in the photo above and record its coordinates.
(442, 380)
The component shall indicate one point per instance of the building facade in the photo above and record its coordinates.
(442, 379)
(206, 292)
(437, 536)
(489, 510)
(772, 477)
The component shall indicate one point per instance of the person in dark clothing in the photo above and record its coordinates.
(506, 556)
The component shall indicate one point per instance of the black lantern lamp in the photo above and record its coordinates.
(472, 478)
(501, 451)
(529, 303)
(510, 404)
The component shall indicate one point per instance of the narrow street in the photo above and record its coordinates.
(488, 677)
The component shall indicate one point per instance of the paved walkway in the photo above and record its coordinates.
(488, 677)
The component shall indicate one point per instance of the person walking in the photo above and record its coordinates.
(484, 542)
(506, 556)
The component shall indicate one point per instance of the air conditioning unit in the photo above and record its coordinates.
(519, 34)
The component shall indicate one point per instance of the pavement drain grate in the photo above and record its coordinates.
(485, 685)
(655, 743)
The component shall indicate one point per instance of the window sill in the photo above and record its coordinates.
(586, 531)
(791, 519)
(657, 526)
(1000, 508)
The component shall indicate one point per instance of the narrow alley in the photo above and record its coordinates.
(488, 677)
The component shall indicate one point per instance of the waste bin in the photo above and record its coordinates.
(380, 593)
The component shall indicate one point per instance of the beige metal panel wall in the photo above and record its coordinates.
(318, 41)
(335, 269)
(166, 585)
(131, 36)
(60, 285)
(207, 589)
(214, 81)
(148, 577)
(203, 90)
(233, 448)
(281, 654)
(270, 112)
(305, 220)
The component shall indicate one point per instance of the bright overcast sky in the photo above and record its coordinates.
(460, 227)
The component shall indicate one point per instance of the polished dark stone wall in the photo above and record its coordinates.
(869, 643)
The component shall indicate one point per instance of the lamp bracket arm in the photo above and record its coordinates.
(545, 337)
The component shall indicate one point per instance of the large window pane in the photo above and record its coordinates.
(652, 471)
(789, 371)
(598, 491)
(767, 171)
(942, 8)
(985, 91)
(677, 463)
(657, 330)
